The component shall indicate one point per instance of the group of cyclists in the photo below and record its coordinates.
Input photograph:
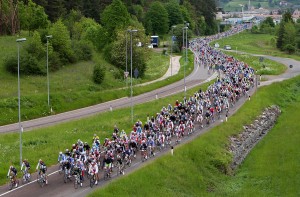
(165, 128)
(12, 172)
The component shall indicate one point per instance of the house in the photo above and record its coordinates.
(283, 3)
(296, 14)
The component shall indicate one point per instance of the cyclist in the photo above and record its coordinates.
(93, 170)
(12, 171)
(26, 166)
(107, 162)
(61, 157)
(41, 166)
(77, 170)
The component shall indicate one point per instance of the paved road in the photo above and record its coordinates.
(57, 188)
(199, 75)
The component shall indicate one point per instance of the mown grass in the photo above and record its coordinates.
(234, 5)
(267, 67)
(45, 143)
(264, 44)
(72, 87)
(197, 168)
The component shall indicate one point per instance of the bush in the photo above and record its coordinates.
(83, 50)
(11, 64)
(98, 74)
(28, 65)
(289, 48)
(54, 61)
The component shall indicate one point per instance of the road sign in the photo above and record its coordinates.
(136, 73)
(261, 59)
(126, 74)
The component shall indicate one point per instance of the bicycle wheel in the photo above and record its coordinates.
(76, 182)
(60, 169)
(41, 180)
(24, 179)
(92, 182)
(10, 185)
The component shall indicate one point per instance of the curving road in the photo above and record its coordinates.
(57, 188)
(199, 75)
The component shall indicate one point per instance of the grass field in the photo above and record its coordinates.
(263, 44)
(272, 169)
(71, 87)
(234, 5)
(267, 67)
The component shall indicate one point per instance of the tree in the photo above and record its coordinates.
(118, 54)
(286, 18)
(91, 9)
(61, 42)
(55, 9)
(174, 13)
(32, 16)
(98, 74)
(289, 37)
(115, 16)
(70, 20)
(156, 19)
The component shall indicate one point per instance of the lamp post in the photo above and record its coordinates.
(131, 91)
(126, 72)
(172, 49)
(242, 11)
(184, 32)
(19, 97)
(48, 83)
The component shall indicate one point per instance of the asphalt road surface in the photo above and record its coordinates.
(199, 75)
(56, 186)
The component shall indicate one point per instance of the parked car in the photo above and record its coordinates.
(227, 47)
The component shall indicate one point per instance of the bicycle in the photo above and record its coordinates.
(121, 168)
(60, 168)
(92, 180)
(67, 176)
(41, 179)
(144, 155)
(26, 176)
(106, 173)
(12, 183)
(77, 181)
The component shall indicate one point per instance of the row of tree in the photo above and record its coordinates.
(287, 32)
(156, 16)
(78, 26)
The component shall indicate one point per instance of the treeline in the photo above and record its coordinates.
(287, 32)
(80, 26)
(199, 13)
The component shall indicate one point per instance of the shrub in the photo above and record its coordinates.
(98, 74)
(289, 48)
(55, 62)
(83, 50)
(28, 65)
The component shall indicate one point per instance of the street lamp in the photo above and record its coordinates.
(131, 91)
(48, 83)
(184, 31)
(126, 72)
(19, 97)
(172, 48)
(242, 11)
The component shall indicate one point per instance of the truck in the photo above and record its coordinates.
(154, 41)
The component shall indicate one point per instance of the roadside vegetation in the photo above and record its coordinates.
(263, 44)
(72, 87)
(201, 167)
(263, 66)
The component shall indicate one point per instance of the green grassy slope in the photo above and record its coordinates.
(197, 168)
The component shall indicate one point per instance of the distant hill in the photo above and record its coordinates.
(234, 5)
